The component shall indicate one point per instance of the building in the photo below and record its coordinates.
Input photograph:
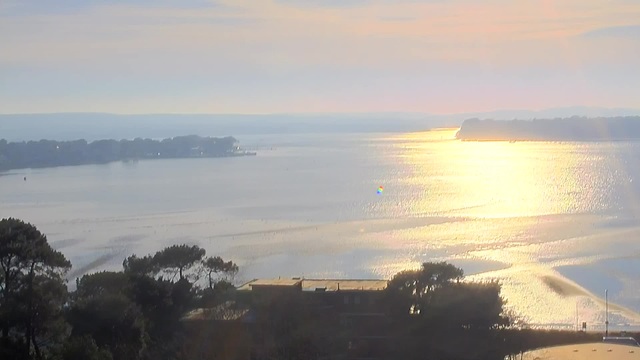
(349, 315)
(346, 297)
(353, 308)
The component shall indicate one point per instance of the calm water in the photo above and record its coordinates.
(556, 223)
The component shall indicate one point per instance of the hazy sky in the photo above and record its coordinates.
(261, 56)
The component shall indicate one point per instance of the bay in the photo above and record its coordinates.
(529, 214)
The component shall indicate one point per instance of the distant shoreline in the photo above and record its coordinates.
(551, 140)
(49, 154)
(575, 128)
(5, 172)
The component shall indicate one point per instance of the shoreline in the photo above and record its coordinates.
(5, 172)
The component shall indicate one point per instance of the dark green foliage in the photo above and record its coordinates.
(102, 311)
(163, 304)
(154, 298)
(83, 348)
(178, 259)
(467, 305)
(222, 291)
(12, 347)
(140, 266)
(434, 296)
(33, 290)
(411, 290)
(132, 313)
(101, 283)
(47, 153)
(214, 266)
(113, 321)
(46, 311)
(437, 315)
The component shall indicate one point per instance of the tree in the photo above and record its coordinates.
(45, 153)
(163, 302)
(215, 265)
(178, 258)
(411, 290)
(102, 283)
(140, 266)
(472, 305)
(102, 309)
(83, 348)
(219, 290)
(113, 321)
(155, 297)
(46, 313)
(131, 313)
(29, 268)
(453, 319)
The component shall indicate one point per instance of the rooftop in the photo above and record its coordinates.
(321, 284)
(270, 282)
(343, 284)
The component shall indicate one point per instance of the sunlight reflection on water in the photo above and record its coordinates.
(308, 205)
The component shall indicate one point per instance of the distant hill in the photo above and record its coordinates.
(95, 126)
(573, 129)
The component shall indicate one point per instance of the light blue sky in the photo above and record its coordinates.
(265, 56)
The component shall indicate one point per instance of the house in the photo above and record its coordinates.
(353, 309)
(346, 297)
(350, 315)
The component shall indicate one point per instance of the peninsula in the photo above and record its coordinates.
(49, 153)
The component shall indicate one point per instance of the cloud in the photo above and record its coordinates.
(325, 3)
(354, 3)
(40, 7)
(397, 18)
(268, 55)
(630, 31)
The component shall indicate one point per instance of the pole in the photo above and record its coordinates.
(606, 301)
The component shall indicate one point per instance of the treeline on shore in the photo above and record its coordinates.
(569, 129)
(49, 153)
(138, 313)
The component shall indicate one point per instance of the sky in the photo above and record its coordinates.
(277, 56)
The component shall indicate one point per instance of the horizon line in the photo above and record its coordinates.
(324, 113)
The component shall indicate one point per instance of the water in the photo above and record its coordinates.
(555, 222)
